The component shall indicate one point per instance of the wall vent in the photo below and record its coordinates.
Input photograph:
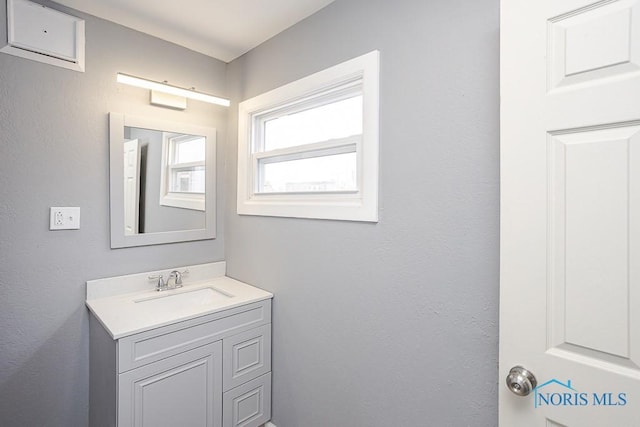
(46, 35)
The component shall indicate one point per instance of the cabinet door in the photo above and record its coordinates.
(183, 390)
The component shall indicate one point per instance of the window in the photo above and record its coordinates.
(183, 180)
(309, 149)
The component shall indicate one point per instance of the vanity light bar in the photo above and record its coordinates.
(170, 89)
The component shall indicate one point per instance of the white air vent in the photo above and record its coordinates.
(46, 35)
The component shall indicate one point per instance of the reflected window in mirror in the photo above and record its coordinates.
(162, 181)
(183, 171)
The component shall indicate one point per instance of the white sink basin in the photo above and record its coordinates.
(168, 300)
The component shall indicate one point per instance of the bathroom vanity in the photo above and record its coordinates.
(198, 355)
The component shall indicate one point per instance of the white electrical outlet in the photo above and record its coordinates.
(64, 218)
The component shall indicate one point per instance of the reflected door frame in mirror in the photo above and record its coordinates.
(119, 239)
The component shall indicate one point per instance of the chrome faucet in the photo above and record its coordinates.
(163, 285)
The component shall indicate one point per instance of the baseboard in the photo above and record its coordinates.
(269, 424)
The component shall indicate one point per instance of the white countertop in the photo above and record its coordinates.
(127, 312)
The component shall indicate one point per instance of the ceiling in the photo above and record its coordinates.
(223, 29)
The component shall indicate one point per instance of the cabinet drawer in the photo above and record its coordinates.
(147, 347)
(246, 356)
(248, 405)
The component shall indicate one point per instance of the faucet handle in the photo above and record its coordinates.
(161, 285)
(177, 276)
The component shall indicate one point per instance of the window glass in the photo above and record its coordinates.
(331, 121)
(192, 150)
(190, 180)
(316, 174)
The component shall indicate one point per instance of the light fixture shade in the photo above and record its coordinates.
(168, 100)
(170, 89)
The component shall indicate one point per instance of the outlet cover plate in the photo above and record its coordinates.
(64, 218)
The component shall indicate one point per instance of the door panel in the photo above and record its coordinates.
(593, 42)
(590, 194)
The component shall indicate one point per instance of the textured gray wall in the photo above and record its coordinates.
(395, 323)
(54, 152)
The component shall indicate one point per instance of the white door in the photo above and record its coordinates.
(131, 186)
(570, 212)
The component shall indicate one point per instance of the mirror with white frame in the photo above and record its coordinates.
(162, 181)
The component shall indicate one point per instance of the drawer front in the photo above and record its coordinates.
(248, 405)
(147, 347)
(246, 356)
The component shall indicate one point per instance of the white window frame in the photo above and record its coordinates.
(361, 73)
(194, 201)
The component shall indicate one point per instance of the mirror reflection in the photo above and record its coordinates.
(162, 177)
(164, 181)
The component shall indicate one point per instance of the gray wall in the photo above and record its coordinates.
(395, 323)
(54, 152)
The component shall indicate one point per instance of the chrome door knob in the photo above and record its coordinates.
(521, 381)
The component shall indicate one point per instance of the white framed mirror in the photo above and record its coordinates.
(162, 181)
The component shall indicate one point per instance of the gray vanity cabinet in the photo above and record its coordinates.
(210, 371)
